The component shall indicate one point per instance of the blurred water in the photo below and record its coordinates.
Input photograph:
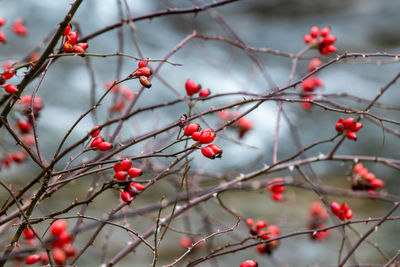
(360, 26)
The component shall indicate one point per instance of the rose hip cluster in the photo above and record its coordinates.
(98, 141)
(62, 247)
(341, 211)
(243, 125)
(143, 73)
(258, 229)
(317, 220)
(70, 45)
(311, 83)
(8, 73)
(321, 39)
(276, 187)
(349, 125)
(365, 180)
(18, 27)
(194, 88)
(206, 136)
(123, 95)
(124, 171)
(249, 263)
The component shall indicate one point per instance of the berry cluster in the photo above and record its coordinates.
(123, 95)
(317, 220)
(341, 211)
(18, 27)
(194, 88)
(276, 187)
(206, 136)
(243, 125)
(271, 231)
(123, 169)
(143, 73)
(311, 83)
(62, 247)
(25, 102)
(70, 44)
(249, 263)
(365, 180)
(321, 40)
(131, 191)
(349, 125)
(98, 141)
(8, 73)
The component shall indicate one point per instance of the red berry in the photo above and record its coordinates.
(63, 238)
(211, 151)
(331, 49)
(196, 136)
(2, 21)
(28, 234)
(72, 38)
(97, 141)
(126, 197)
(339, 127)
(82, 45)
(377, 183)
(104, 146)
(325, 31)
(32, 259)
(191, 128)
(117, 167)
(79, 50)
(19, 28)
(351, 135)
(134, 172)
(335, 207)
(17, 157)
(95, 131)
(126, 164)
(3, 38)
(314, 63)
(273, 229)
(67, 30)
(207, 136)
(185, 242)
(277, 196)
(357, 127)
(261, 224)
(135, 188)
(191, 87)
(44, 258)
(307, 38)
(58, 226)
(369, 177)
(24, 126)
(250, 222)
(143, 63)
(249, 263)
(120, 176)
(204, 92)
(59, 256)
(328, 40)
(314, 32)
(358, 167)
(145, 71)
(68, 48)
(69, 250)
(11, 88)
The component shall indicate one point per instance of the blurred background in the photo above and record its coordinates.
(360, 26)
